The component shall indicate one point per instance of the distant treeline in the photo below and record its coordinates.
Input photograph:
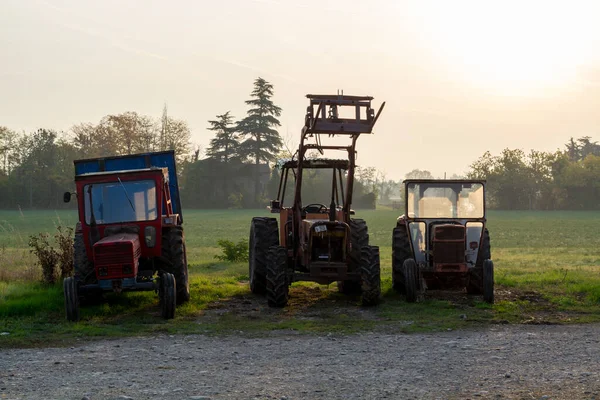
(236, 171)
(567, 179)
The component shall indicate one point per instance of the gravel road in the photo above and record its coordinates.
(507, 362)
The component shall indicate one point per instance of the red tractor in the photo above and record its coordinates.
(318, 242)
(129, 236)
(442, 240)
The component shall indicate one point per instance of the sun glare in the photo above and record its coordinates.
(514, 48)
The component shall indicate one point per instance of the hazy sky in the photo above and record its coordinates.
(459, 77)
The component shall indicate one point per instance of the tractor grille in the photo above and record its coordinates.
(116, 254)
(449, 232)
(449, 244)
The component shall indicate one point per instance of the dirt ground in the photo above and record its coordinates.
(496, 362)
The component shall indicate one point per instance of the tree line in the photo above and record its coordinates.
(236, 171)
(36, 168)
(567, 179)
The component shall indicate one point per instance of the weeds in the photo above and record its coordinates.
(233, 252)
(64, 243)
(54, 262)
(46, 255)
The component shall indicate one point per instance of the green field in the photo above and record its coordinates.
(547, 271)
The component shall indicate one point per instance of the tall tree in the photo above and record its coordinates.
(8, 150)
(418, 174)
(224, 146)
(174, 135)
(572, 150)
(261, 140)
(224, 150)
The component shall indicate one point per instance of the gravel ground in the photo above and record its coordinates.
(508, 362)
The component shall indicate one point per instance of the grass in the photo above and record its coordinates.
(547, 271)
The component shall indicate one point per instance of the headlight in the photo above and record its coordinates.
(150, 236)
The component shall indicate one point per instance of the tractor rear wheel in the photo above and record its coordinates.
(277, 277)
(359, 238)
(475, 279)
(173, 249)
(401, 251)
(84, 269)
(488, 281)
(485, 251)
(167, 295)
(411, 274)
(370, 276)
(71, 299)
(264, 234)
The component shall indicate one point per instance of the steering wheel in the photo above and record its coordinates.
(314, 208)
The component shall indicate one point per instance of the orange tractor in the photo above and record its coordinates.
(318, 242)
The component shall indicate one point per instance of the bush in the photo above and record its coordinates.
(46, 255)
(232, 251)
(64, 242)
(54, 262)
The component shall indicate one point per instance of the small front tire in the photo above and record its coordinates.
(71, 299)
(168, 295)
(488, 281)
(277, 279)
(370, 276)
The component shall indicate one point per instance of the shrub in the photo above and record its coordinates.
(54, 262)
(64, 242)
(46, 255)
(232, 251)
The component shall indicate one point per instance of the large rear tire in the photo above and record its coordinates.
(71, 299)
(359, 238)
(264, 233)
(173, 249)
(168, 295)
(84, 269)
(370, 276)
(401, 251)
(277, 277)
(488, 281)
(411, 274)
(475, 278)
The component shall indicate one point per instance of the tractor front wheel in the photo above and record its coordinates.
(411, 274)
(264, 234)
(370, 276)
(488, 281)
(277, 277)
(168, 295)
(71, 299)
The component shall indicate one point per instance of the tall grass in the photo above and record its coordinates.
(547, 263)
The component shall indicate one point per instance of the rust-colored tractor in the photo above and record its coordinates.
(442, 241)
(318, 242)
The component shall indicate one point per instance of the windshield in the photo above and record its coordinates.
(121, 201)
(445, 200)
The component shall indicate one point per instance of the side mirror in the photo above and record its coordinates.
(275, 206)
(67, 197)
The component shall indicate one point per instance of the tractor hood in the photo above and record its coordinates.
(117, 256)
